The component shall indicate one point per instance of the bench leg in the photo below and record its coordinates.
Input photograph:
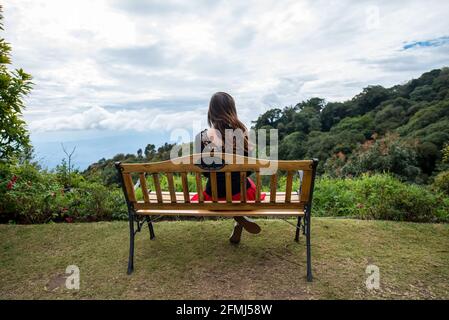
(131, 244)
(309, 253)
(298, 229)
(150, 227)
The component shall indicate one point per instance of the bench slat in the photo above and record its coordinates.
(228, 187)
(185, 187)
(258, 186)
(143, 186)
(280, 197)
(157, 186)
(213, 184)
(205, 213)
(217, 206)
(306, 183)
(129, 185)
(273, 182)
(171, 187)
(243, 187)
(199, 187)
(189, 166)
(288, 187)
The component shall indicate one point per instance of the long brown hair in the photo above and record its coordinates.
(222, 115)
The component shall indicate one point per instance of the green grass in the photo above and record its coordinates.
(194, 260)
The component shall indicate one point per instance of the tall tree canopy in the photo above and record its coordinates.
(14, 86)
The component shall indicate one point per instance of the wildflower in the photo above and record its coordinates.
(11, 182)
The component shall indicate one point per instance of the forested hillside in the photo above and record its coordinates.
(401, 130)
(105, 171)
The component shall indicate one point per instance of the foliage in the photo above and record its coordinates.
(401, 130)
(32, 195)
(379, 196)
(66, 176)
(14, 86)
(104, 170)
(445, 153)
(417, 113)
(441, 182)
(388, 154)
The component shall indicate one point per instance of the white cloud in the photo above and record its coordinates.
(140, 120)
(87, 56)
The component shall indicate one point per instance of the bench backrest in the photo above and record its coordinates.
(192, 165)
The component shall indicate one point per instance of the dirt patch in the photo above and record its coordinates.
(56, 282)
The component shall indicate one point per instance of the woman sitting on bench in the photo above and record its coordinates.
(222, 118)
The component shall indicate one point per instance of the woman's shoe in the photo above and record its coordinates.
(248, 224)
(236, 233)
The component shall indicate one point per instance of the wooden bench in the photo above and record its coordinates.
(158, 202)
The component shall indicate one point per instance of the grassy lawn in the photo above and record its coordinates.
(194, 260)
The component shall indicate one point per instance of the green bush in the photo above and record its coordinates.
(31, 195)
(92, 201)
(441, 182)
(388, 154)
(28, 194)
(333, 198)
(379, 196)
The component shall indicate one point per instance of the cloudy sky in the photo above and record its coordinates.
(111, 76)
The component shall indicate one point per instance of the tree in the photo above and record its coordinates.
(66, 167)
(445, 153)
(388, 154)
(317, 104)
(14, 86)
(139, 153)
(150, 151)
(269, 118)
(370, 98)
(163, 152)
(424, 93)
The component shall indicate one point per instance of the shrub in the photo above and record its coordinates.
(445, 153)
(92, 201)
(31, 195)
(388, 154)
(441, 182)
(333, 198)
(379, 196)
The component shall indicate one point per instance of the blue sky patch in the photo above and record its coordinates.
(438, 42)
